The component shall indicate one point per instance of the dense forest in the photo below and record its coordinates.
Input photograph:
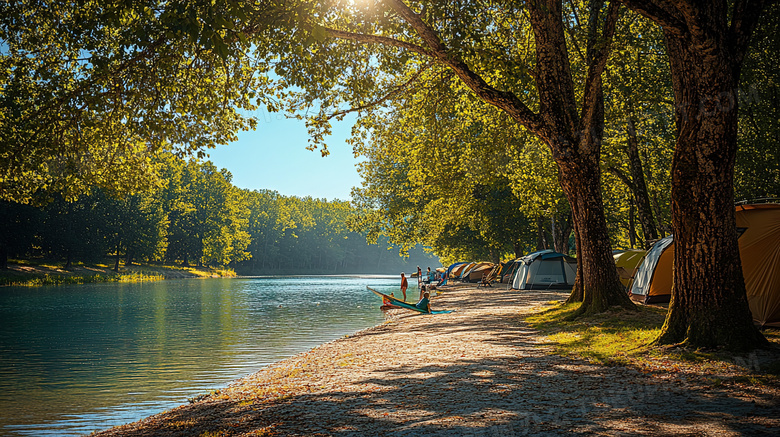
(196, 216)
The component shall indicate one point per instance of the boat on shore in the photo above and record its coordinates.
(402, 304)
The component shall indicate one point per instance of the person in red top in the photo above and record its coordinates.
(404, 285)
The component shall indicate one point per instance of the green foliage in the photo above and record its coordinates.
(91, 92)
(197, 217)
(32, 280)
(92, 96)
(638, 97)
(296, 235)
(440, 174)
(757, 171)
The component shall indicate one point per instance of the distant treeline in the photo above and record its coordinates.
(198, 217)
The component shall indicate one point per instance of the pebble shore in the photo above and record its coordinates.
(478, 371)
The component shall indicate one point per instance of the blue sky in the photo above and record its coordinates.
(274, 157)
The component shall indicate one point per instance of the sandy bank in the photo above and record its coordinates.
(479, 371)
(33, 274)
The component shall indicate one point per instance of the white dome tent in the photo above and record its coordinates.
(545, 270)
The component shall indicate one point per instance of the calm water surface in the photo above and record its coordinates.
(75, 359)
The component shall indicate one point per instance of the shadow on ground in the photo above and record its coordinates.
(522, 392)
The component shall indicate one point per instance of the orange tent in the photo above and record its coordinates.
(759, 250)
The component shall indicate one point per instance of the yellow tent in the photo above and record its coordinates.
(627, 262)
(759, 250)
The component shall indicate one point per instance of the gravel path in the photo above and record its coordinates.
(479, 371)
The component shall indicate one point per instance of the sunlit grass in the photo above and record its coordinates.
(619, 337)
(40, 273)
(607, 338)
(51, 279)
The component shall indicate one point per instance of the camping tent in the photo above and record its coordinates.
(508, 270)
(545, 269)
(759, 250)
(462, 273)
(627, 263)
(453, 266)
(457, 270)
(479, 270)
(649, 287)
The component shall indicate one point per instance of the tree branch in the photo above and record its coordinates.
(661, 14)
(622, 176)
(376, 39)
(501, 99)
(590, 100)
(397, 90)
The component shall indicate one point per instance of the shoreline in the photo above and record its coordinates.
(32, 275)
(479, 371)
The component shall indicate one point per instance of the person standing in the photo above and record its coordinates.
(404, 285)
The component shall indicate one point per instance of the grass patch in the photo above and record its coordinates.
(619, 337)
(608, 338)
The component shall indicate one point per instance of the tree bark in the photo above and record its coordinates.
(601, 288)
(706, 43)
(709, 305)
(575, 142)
(576, 295)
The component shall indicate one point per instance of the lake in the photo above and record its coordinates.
(76, 359)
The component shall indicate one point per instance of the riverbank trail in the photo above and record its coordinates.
(479, 371)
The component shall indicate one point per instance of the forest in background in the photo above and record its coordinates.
(197, 217)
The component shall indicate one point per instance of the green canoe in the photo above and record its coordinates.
(410, 306)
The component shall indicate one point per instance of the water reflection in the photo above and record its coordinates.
(74, 359)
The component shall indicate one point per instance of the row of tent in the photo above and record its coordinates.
(544, 269)
(468, 271)
(647, 275)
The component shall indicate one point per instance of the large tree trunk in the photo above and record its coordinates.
(709, 306)
(573, 131)
(601, 288)
(575, 142)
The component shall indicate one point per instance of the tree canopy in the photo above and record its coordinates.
(91, 90)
